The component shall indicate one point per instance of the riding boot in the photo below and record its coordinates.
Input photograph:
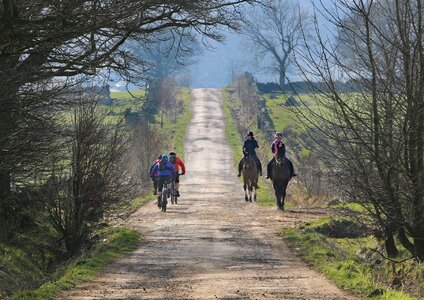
(269, 169)
(259, 165)
(240, 166)
(292, 173)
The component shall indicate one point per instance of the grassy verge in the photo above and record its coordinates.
(178, 129)
(26, 270)
(340, 261)
(116, 242)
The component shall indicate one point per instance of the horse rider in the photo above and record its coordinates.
(250, 145)
(278, 149)
(155, 176)
(177, 163)
(165, 171)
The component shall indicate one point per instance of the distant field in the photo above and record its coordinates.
(286, 116)
(128, 95)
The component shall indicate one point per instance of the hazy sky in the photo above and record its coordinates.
(213, 67)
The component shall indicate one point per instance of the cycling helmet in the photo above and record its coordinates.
(278, 134)
(250, 133)
(164, 157)
(160, 156)
(172, 153)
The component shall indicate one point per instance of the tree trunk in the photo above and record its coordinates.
(403, 239)
(419, 246)
(389, 243)
(282, 79)
(4, 193)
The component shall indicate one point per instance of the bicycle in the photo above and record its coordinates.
(165, 195)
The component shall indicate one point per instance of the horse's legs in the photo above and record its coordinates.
(277, 189)
(284, 194)
(250, 191)
(245, 192)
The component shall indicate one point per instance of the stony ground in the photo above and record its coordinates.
(212, 244)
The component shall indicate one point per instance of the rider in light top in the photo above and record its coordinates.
(250, 145)
(164, 172)
(278, 148)
(177, 163)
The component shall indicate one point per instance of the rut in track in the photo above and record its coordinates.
(212, 245)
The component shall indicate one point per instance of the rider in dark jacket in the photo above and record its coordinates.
(250, 145)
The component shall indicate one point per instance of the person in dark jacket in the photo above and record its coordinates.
(278, 148)
(250, 145)
(165, 172)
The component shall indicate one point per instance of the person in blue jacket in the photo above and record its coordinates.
(165, 172)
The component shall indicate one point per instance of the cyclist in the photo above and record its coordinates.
(177, 163)
(165, 171)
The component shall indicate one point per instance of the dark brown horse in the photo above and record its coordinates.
(250, 177)
(281, 176)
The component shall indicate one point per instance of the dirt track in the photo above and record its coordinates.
(212, 245)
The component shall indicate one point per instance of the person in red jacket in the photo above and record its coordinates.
(177, 163)
(155, 176)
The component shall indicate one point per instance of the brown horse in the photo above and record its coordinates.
(250, 177)
(281, 176)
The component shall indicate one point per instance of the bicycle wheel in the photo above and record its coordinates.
(172, 193)
(164, 197)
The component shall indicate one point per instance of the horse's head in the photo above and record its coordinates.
(279, 158)
(248, 159)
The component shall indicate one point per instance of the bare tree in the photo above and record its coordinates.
(373, 136)
(147, 143)
(274, 29)
(91, 176)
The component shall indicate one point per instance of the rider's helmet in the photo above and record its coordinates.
(278, 134)
(164, 157)
(172, 157)
(250, 133)
(160, 156)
